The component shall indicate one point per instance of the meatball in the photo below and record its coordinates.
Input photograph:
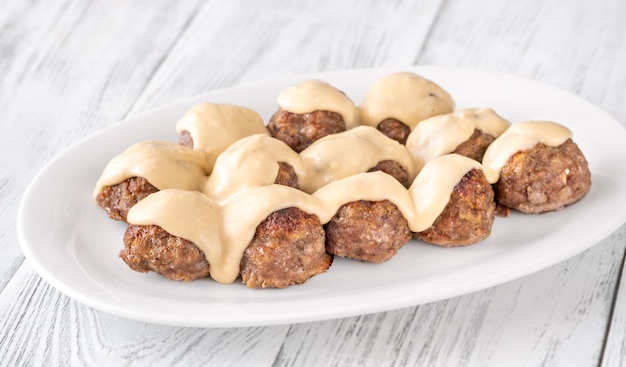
(301, 130)
(370, 231)
(544, 178)
(468, 216)
(394, 129)
(394, 169)
(475, 146)
(151, 248)
(117, 200)
(286, 176)
(287, 248)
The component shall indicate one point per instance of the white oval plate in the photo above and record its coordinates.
(73, 245)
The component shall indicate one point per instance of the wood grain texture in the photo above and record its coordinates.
(78, 335)
(236, 42)
(578, 46)
(69, 68)
(615, 344)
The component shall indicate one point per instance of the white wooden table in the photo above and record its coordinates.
(69, 68)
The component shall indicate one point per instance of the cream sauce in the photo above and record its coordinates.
(214, 127)
(251, 161)
(519, 137)
(341, 155)
(442, 134)
(406, 97)
(165, 165)
(316, 95)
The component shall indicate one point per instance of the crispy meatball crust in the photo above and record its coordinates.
(394, 169)
(544, 178)
(117, 200)
(395, 129)
(468, 216)
(475, 146)
(301, 130)
(287, 248)
(370, 231)
(151, 248)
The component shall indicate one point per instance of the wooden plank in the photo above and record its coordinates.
(577, 46)
(615, 346)
(237, 42)
(67, 69)
(42, 327)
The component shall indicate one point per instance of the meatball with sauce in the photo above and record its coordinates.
(371, 231)
(151, 248)
(287, 249)
(117, 200)
(468, 216)
(301, 130)
(396, 103)
(544, 178)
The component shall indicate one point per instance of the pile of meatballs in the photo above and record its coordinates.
(411, 122)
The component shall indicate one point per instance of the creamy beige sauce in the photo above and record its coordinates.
(442, 134)
(406, 97)
(316, 95)
(223, 230)
(165, 165)
(519, 137)
(251, 161)
(341, 155)
(214, 127)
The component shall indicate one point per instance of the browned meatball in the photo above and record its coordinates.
(117, 200)
(370, 231)
(394, 169)
(286, 176)
(468, 216)
(301, 130)
(185, 139)
(395, 129)
(544, 178)
(475, 146)
(287, 248)
(151, 248)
